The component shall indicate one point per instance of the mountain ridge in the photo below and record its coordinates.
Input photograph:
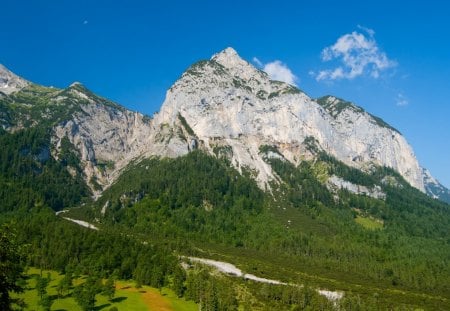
(226, 102)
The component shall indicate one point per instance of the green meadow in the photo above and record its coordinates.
(127, 296)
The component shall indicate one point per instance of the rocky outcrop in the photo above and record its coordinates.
(335, 183)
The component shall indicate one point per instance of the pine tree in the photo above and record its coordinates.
(85, 294)
(179, 276)
(11, 267)
(109, 288)
(46, 302)
(65, 283)
(41, 285)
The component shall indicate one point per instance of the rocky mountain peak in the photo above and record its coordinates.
(228, 58)
(10, 82)
(75, 84)
(237, 66)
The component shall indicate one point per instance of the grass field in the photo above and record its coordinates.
(369, 223)
(127, 297)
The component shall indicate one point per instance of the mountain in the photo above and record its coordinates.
(222, 105)
(227, 102)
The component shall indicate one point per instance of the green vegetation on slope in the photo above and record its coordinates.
(369, 223)
(211, 201)
(201, 199)
(29, 176)
(335, 108)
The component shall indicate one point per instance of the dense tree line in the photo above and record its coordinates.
(211, 293)
(29, 176)
(54, 243)
(190, 195)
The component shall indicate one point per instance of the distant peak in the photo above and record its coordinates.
(79, 87)
(229, 51)
(10, 82)
(5, 72)
(2, 68)
(76, 83)
(228, 58)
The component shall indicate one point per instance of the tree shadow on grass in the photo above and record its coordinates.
(100, 307)
(118, 299)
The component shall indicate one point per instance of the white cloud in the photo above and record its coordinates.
(257, 62)
(279, 71)
(371, 32)
(356, 54)
(401, 100)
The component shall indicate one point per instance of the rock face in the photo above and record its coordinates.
(108, 137)
(336, 183)
(9, 82)
(228, 102)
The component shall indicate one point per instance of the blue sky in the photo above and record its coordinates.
(394, 56)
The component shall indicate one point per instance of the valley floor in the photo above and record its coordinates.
(127, 296)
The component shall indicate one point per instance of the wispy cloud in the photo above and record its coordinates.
(257, 62)
(277, 70)
(401, 100)
(355, 54)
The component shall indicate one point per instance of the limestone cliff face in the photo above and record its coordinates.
(228, 102)
(108, 137)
